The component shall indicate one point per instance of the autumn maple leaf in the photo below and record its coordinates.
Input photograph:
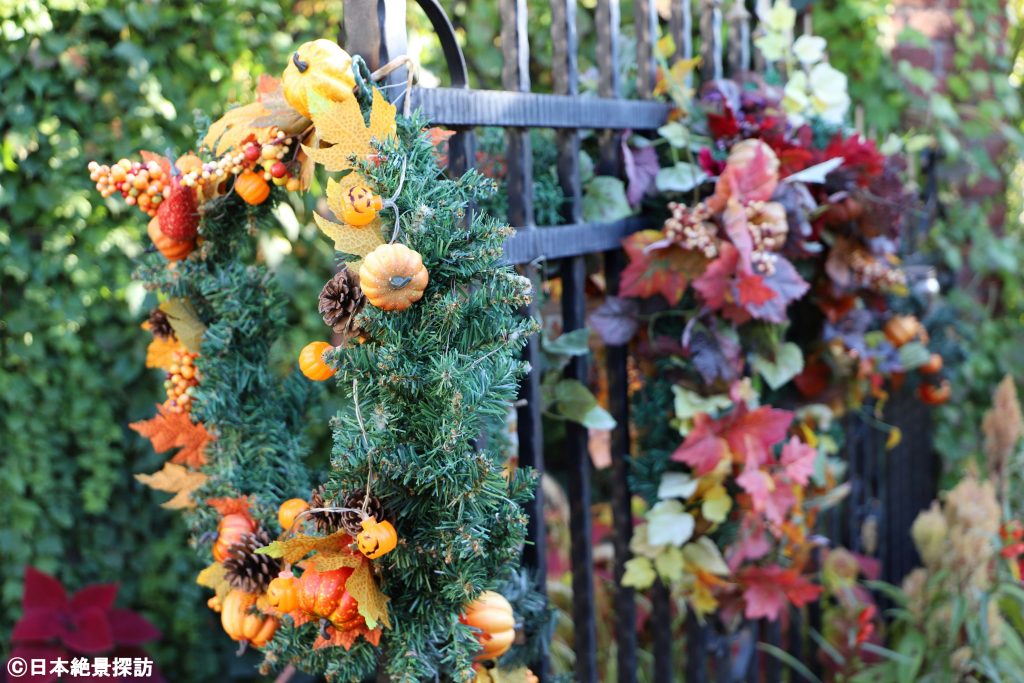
(746, 435)
(798, 460)
(176, 430)
(769, 589)
(658, 269)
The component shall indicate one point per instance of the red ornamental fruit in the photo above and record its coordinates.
(935, 395)
(252, 152)
(179, 213)
(279, 170)
(323, 595)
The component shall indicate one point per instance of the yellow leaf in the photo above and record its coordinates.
(216, 578)
(341, 125)
(373, 604)
(176, 479)
(232, 129)
(894, 439)
(158, 353)
(297, 547)
(188, 328)
(356, 241)
(336, 558)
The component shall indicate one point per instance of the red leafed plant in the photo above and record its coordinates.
(54, 626)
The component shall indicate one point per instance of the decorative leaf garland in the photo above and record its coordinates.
(428, 375)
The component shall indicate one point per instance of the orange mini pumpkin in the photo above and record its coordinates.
(323, 594)
(393, 277)
(172, 249)
(283, 592)
(230, 530)
(252, 188)
(492, 614)
(289, 510)
(311, 361)
(241, 621)
(377, 538)
(360, 206)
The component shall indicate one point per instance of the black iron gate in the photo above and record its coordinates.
(888, 487)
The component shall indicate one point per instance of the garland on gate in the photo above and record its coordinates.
(403, 561)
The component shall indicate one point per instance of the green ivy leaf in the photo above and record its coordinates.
(681, 177)
(574, 402)
(604, 200)
(788, 363)
(569, 343)
(913, 355)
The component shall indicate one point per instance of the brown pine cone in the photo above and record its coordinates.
(325, 522)
(159, 325)
(341, 300)
(352, 521)
(247, 570)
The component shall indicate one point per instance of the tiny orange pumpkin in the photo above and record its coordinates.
(933, 366)
(492, 614)
(311, 361)
(377, 538)
(323, 594)
(230, 530)
(241, 621)
(283, 592)
(392, 277)
(360, 206)
(172, 249)
(252, 188)
(902, 329)
(289, 510)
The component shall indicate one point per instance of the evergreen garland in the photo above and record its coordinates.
(428, 386)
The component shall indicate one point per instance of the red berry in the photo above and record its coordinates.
(252, 152)
(279, 170)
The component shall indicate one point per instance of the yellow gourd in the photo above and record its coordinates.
(319, 66)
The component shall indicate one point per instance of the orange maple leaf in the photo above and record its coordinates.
(170, 430)
(345, 638)
(230, 506)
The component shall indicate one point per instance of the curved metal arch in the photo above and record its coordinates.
(453, 55)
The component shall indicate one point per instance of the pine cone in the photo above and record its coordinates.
(351, 521)
(325, 522)
(245, 569)
(341, 300)
(159, 325)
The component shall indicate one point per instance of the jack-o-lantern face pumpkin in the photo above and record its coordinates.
(377, 538)
(360, 206)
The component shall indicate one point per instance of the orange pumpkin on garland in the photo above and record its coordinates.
(311, 361)
(252, 188)
(492, 614)
(323, 595)
(392, 277)
(903, 329)
(360, 206)
(230, 530)
(283, 593)
(289, 510)
(172, 249)
(377, 538)
(241, 620)
(319, 66)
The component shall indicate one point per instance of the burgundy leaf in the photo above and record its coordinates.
(789, 286)
(42, 591)
(615, 320)
(130, 628)
(98, 595)
(89, 632)
(641, 168)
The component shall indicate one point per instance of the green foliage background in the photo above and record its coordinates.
(99, 80)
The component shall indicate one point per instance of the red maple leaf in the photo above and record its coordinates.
(230, 506)
(665, 269)
(345, 638)
(714, 286)
(753, 291)
(747, 435)
(768, 590)
(798, 460)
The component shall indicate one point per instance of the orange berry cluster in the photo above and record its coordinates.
(141, 184)
(182, 376)
(269, 156)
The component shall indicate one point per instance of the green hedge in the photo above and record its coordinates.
(84, 80)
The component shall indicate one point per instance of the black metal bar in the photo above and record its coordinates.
(376, 31)
(646, 21)
(695, 668)
(608, 20)
(453, 56)
(661, 627)
(563, 241)
(461, 107)
(772, 666)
